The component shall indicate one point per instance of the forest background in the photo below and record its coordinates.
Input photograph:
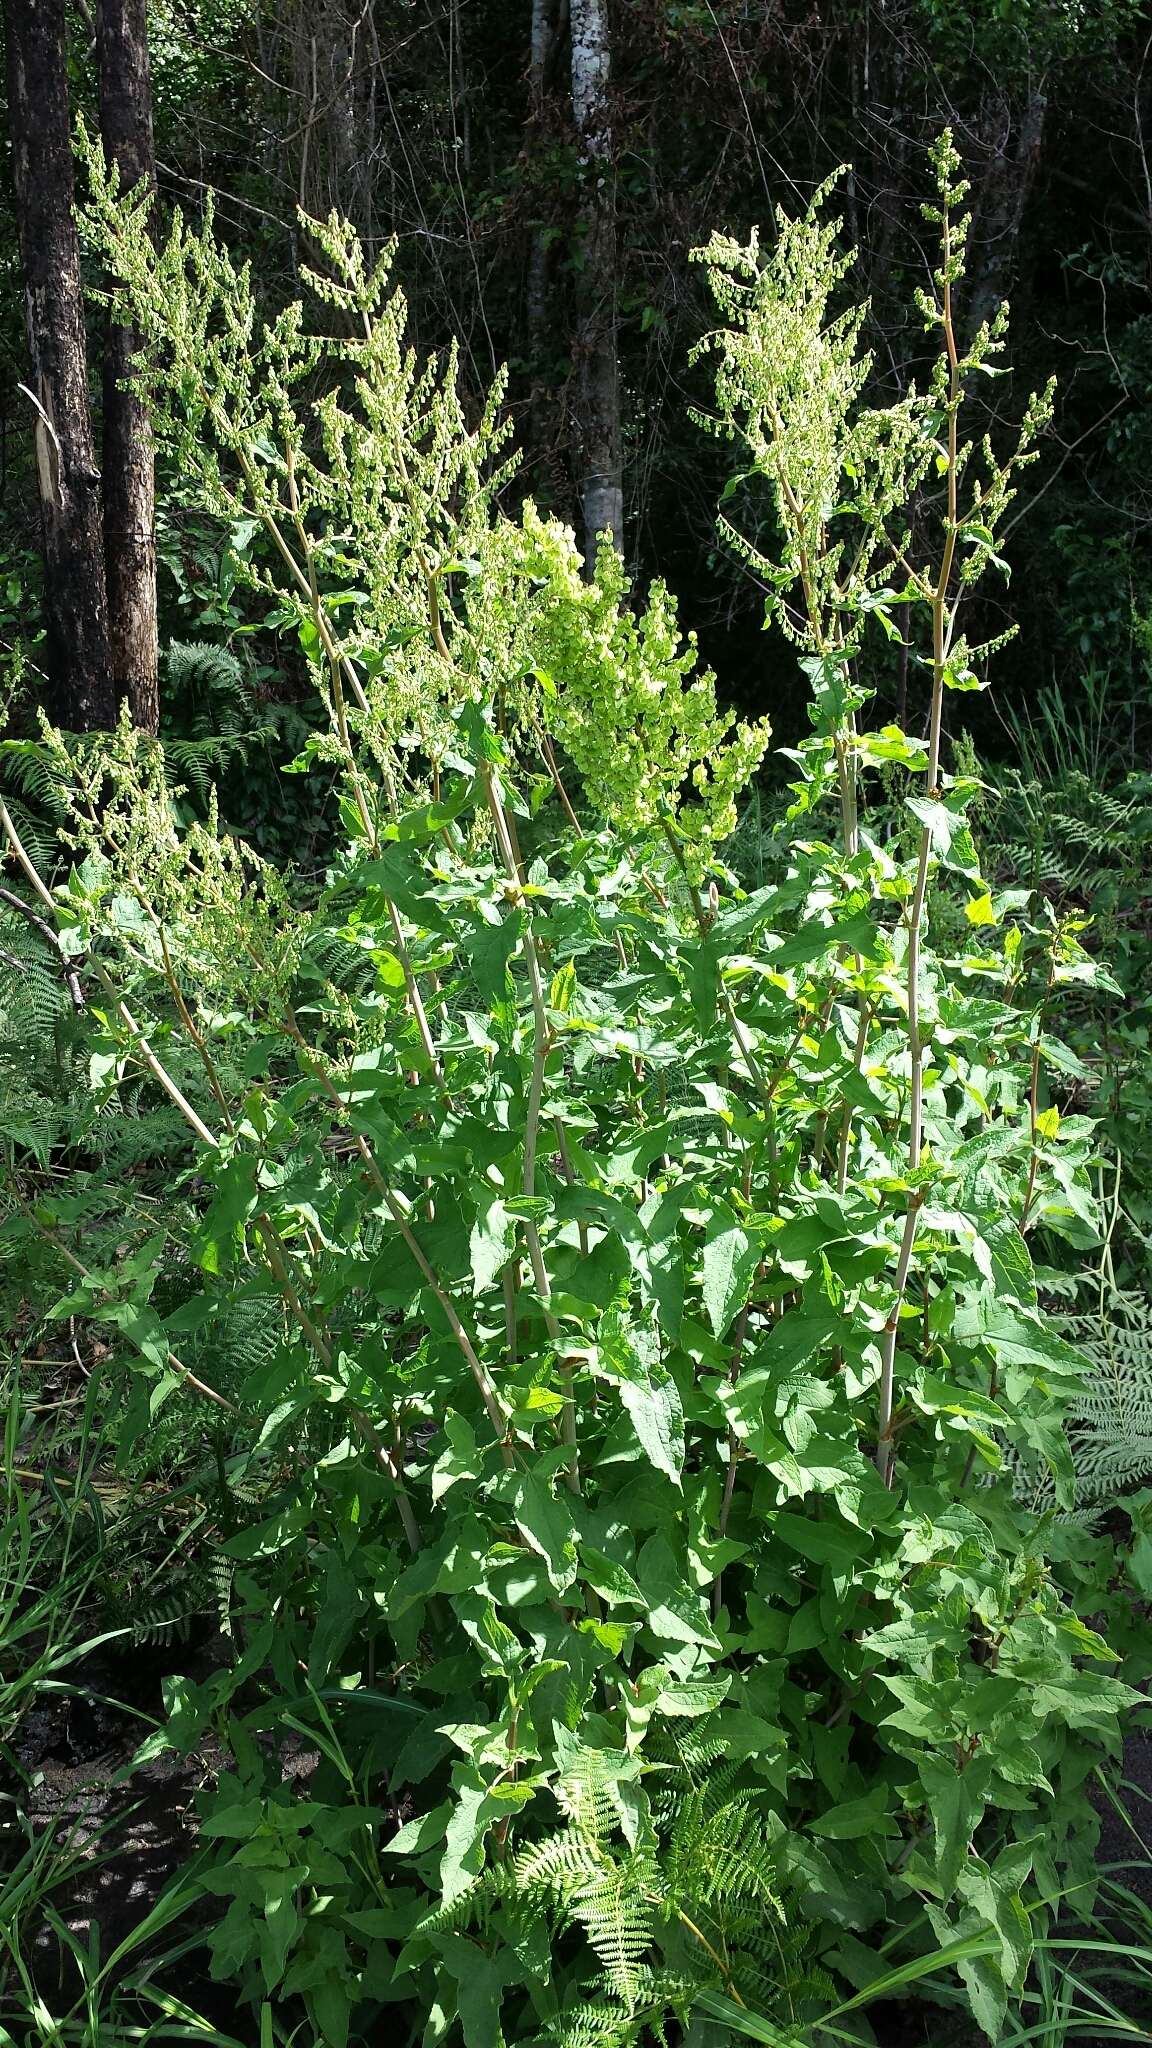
(929, 1171)
(547, 180)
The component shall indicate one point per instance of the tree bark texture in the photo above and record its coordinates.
(82, 696)
(1012, 143)
(129, 468)
(331, 58)
(597, 365)
(549, 18)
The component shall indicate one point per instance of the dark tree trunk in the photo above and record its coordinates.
(80, 681)
(597, 367)
(549, 18)
(1012, 143)
(129, 478)
(331, 57)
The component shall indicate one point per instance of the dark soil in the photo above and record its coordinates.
(1118, 1843)
(128, 1836)
(123, 1833)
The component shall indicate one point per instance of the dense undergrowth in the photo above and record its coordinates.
(627, 1347)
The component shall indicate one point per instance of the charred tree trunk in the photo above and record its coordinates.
(597, 366)
(76, 614)
(129, 471)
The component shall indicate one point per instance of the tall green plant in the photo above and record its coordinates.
(651, 1259)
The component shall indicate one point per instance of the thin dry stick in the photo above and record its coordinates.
(155, 1066)
(183, 1371)
(549, 753)
(487, 1391)
(23, 860)
(51, 938)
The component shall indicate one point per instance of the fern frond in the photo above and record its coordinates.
(596, 2023)
(200, 671)
(212, 712)
(559, 1866)
(723, 1859)
(473, 1907)
(615, 1910)
(1109, 1423)
(26, 767)
(43, 1102)
(587, 1794)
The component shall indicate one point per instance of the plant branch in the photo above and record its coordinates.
(52, 938)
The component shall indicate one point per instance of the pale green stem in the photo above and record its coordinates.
(885, 1448)
(276, 1256)
(845, 1144)
(395, 1208)
(740, 1036)
(941, 628)
(541, 1047)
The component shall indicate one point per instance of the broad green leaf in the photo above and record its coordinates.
(948, 831)
(1019, 1337)
(693, 1697)
(479, 1982)
(493, 942)
(472, 1814)
(857, 1819)
(461, 1459)
(491, 1244)
(629, 1357)
(730, 1258)
(545, 1522)
(856, 933)
(424, 1831)
(677, 1612)
(1083, 1699)
(956, 1801)
(829, 1541)
(891, 744)
(608, 1578)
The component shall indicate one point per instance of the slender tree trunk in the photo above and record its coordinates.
(331, 61)
(597, 367)
(548, 18)
(76, 614)
(129, 476)
(1013, 153)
